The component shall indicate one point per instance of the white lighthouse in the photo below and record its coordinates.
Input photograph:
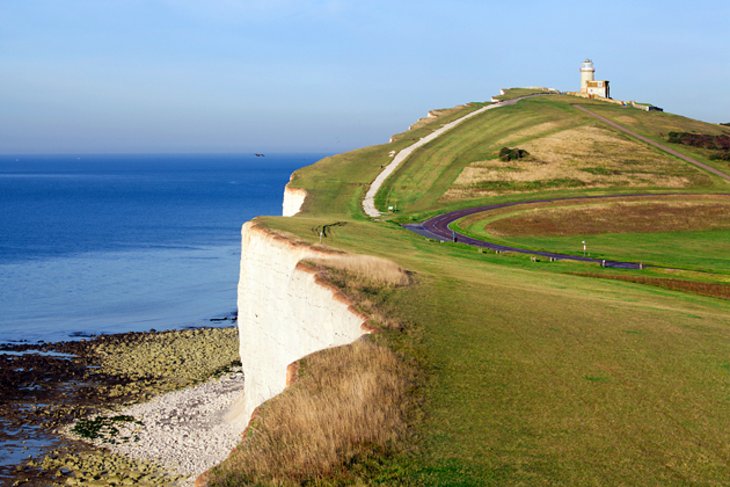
(588, 84)
(587, 73)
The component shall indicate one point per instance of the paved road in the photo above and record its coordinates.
(368, 204)
(653, 143)
(438, 228)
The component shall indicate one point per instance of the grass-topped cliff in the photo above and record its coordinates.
(511, 370)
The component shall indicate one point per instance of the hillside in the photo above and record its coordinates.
(569, 151)
(517, 370)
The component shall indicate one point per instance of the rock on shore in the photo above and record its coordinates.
(186, 431)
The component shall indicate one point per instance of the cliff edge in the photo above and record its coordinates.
(293, 199)
(284, 312)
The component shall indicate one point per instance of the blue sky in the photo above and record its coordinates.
(107, 76)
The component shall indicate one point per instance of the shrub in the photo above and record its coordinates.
(507, 154)
(705, 141)
(721, 156)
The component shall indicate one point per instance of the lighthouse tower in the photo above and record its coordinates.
(587, 73)
(588, 85)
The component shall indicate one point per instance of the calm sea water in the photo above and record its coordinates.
(103, 244)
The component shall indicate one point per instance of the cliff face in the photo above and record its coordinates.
(284, 312)
(293, 200)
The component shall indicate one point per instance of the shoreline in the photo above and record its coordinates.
(43, 394)
(222, 320)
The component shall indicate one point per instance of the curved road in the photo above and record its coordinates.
(438, 228)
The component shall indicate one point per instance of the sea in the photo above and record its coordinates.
(114, 243)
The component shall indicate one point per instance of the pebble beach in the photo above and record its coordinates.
(153, 408)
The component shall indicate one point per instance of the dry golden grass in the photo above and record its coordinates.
(586, 157)
(592, 145)
(374, 270)
(712, 289)
(366, 292)
(617, 217)
(348, 402)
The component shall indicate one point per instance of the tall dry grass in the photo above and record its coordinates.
(712, 289)
(366, 269)
(593, 156)
(367, 282)
(348, 402)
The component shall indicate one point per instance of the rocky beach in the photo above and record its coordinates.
(146, 408)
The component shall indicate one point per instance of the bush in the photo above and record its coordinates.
(507, 154)
(721, 156)
(705, 141)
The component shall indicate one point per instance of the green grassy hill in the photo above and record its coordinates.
(532, 373)
(570, 153)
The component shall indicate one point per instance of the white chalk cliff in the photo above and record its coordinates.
(293, 200)
(284, 312)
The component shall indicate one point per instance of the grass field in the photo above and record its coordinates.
(532, 375)
(597, 216)
(333, 194)
(540, 378)
(706, 251)
(677, 232)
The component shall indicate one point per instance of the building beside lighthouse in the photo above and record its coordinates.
(599, 89)
(589, 86)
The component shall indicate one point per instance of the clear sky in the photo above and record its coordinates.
(106, 76)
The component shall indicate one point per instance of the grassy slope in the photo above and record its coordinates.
(429, 172)
(656, 126)
(540, 377)
(340, 181)
(418, 185)
(535, 377)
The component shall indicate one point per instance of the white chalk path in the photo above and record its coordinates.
(368, 204)
(190, 430)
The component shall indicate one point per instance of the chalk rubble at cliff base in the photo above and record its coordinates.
(186, 431)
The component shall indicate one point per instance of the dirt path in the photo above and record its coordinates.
(653, 143)
(368, 203)
(438, 228)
